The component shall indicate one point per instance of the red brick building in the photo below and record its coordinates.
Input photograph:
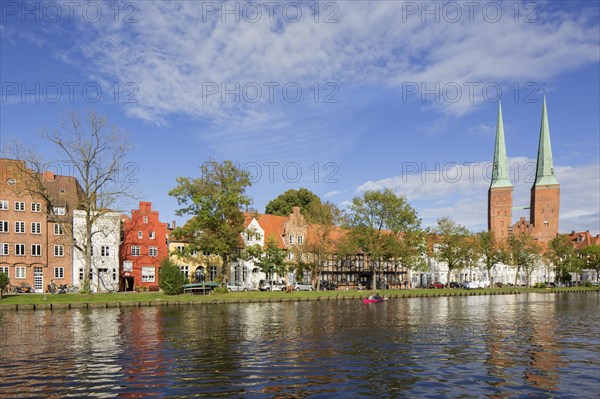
(145, 244)
(35, 241)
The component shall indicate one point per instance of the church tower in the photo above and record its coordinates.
(500, 192)
(545, 193)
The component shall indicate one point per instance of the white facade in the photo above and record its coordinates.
(106, 237)
(245, 271)
(500, 273)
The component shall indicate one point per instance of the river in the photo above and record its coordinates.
(534, 345)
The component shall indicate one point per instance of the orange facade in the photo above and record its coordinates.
(145, 244)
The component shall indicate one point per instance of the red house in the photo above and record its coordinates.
(144, 246)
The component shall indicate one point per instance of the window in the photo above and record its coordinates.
(180, 249)
(128, 266)
(36, 207)
(36, 228)
(59, 272)
(145, 219)
(20, 227)
(135, 250)
(3, 226)
(300, 239)
(114, 274)
(36, 250)
(140, 234)
(212, 273)
(3, 205)
(20, 249)
(19, 206)
(185, 269)
(291, 256)
(59, 250)
(249, 237)
(5, 270)
(19, 272)
(59, 210)
(81, 274)
(148, 274)
(58, 230)
(152, 235)
(4, 248)
(153, 251)
(291, 239)
(104, 250)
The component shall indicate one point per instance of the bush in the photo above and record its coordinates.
(587, 283)
(539, 285)
(3, 282)
(171, 278)
(222, 289)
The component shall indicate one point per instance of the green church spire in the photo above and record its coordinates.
(500, 168)
(544, 173)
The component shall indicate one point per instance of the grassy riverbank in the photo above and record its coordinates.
(46, 301)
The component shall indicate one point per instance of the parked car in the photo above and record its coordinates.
(265, 285)
(303, 287)
(328, 285)
(436, 285)
(237, 286)
(455, 284)
(470, 285)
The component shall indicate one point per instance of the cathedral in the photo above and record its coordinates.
(545, 192)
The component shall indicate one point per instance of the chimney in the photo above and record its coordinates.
(173, 225)
(49, 175)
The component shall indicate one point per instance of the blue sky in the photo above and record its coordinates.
(337, 97)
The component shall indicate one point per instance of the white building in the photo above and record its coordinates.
(500, 273)
(106, 233)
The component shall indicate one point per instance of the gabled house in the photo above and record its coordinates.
(144, 245)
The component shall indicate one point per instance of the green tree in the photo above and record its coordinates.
(325, 213)
(283, 204)
(492, 251)
(377, 220)
(273, 259)
(591, 258)
(453, 244)
(3, 283)
(563, 256)
(215, 201)
(524, 254)
(171, 278)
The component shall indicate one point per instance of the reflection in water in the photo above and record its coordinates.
(541, 345)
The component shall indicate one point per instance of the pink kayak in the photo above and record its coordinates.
(366, 300)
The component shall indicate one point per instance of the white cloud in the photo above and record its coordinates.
(332, 194)
(178, 50)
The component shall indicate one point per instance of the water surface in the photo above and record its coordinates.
(534, 345)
